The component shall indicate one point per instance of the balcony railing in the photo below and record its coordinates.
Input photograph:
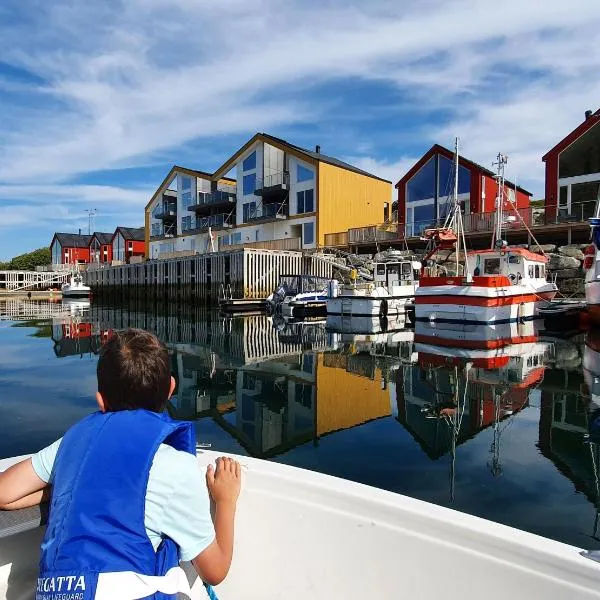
(159, 230)
(373, 234)
(281, 244)
(273, 185)
(165, 211)
(221, 221)
(217, 198)
(336, 239)
(268, 212)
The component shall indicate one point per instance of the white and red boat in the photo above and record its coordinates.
(503, 284)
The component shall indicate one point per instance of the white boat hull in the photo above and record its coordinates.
(592, 298)
(300, 535)
(367, 306)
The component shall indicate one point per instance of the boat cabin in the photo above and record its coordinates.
(392, 273)
(515, 263)
(302, 284)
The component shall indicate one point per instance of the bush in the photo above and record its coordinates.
(28, 261)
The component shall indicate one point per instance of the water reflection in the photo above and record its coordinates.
(506, 432)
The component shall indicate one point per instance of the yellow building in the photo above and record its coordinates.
(269, 194)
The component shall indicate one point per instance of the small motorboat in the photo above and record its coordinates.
(300, 296)
(302, 534)
(75, 288)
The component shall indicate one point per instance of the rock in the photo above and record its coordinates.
(572, 287)
(558, 261)
(573, 251)
(568, 273)
(543, 248)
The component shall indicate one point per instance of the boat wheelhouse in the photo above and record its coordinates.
(395, 279)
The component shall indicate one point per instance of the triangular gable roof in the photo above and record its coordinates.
(72, 240)
(135, 234)
(102, 237)
(177, 169)
(582, 128)
(464, 162)
(309, 155)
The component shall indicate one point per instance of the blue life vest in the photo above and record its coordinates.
(96, 546)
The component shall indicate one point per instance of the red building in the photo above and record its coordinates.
(573, 172)
(70, 248)
(101, 247)
(128, 242)
(425, 193)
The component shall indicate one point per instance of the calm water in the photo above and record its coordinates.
(502, 439)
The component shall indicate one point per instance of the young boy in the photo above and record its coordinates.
(128, 499)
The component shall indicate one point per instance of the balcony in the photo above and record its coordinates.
(201, 224)
(207, 201)
(160, 231)
(273, 187)
(267, 212)
(279, 244)
(166, 211)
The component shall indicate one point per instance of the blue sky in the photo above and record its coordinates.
(99, 99)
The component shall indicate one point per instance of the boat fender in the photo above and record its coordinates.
(383, 309)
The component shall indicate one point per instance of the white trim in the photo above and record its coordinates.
(590, 178)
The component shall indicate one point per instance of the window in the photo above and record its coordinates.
(422, 184)
(537, 271)
(309, 233)
(304, 174)
(249, 162)
(186, 199)
(306, 202)
(186, 183)
(446, 178)
(491, 266)
(56, 253)
(186, 223)
(249, 209)
(236, 238)
(531, 271)
(249, 184)
(380, 269)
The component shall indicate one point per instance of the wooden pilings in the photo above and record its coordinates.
(247, 273)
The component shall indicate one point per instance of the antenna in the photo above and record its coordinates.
(91, 212)
(501, 161)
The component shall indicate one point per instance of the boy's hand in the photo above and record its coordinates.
(224, 483)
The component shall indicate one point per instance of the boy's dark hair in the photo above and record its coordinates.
(133, 371)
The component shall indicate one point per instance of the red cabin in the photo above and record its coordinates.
(573, 173)
(425, 193)
(101, 247)
(128, 242)
(70, 249)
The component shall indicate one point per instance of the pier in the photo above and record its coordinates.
(241, 274)
(14, 282)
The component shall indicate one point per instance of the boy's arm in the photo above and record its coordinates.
(213, 563)
(21, 487)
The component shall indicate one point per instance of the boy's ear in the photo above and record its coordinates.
(100, 401)
(172, 387)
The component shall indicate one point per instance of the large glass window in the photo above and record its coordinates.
(249, 208)
(423, 217)
(119, 248)
(309, 233)
(249, 162)
(422, 185)
(186, 183)
(304, 174)
(56, 253)
(306, 201)
(446, 178)
(249, 184)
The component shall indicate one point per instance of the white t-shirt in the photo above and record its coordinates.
(177, 500)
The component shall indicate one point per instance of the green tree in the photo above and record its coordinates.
(30, 260)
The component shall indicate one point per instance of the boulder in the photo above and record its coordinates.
(573, 251)
(567, 273)
(558, 261)
(572, 287)
(547, 248)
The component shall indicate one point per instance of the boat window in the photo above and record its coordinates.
(393, 269)
(537, 270)
(542, 271)
(380, 269)
(406, 271)
(531, 271)
(513, 260)
(491, 266)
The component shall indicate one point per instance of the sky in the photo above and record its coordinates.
(99, 99)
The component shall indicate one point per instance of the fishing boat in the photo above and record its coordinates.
(591, 265)
(502, 284)
(395, 279)
(300, 296)
(75, 288)
(307, 535)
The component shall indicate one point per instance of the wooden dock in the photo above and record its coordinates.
(245, 274)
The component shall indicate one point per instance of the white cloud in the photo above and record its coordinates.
(153, 75)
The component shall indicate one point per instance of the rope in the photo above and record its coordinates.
(211, 592)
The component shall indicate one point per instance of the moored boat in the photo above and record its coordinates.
(300, 296)
(591, 265)
(75, 288)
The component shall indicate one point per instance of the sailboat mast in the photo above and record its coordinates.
(502, 160)
(457, 216)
